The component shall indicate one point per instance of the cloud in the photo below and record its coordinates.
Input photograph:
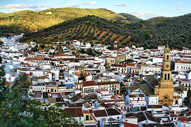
(181, 8)
(178, 3)
(145, 15)
(90, 3)
(120, 4)
(72, 5)
(20, 7)
(58, 3)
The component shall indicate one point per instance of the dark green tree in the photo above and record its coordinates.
(82, 77)
(90, 52)
(17, 110)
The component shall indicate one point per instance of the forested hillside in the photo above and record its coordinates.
(175, 31)
(104, 27)
(30, 21)
(130, 17)
(85, 28)
(148, 33)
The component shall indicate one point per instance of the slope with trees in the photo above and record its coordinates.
(19, 111)
(130, 17)
(30, 21)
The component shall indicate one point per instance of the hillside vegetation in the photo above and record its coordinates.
(130, 17)
(157, 31)
(26, 21)
(104, 27)
(149, 33)
(85, 28)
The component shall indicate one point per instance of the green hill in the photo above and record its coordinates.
(130, 17)
(147, 33)
(86, 28)
(174, 30)
(74, 23)
(31, 20)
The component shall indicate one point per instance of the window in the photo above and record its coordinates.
(168, 76)
(79, 118)
(51, 90)
(87, 117)
(165, 77)
(167, 57)
(165, 97)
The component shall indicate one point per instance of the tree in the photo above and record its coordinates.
(1, 42)
(16, 109)
(82, 77)
(90, 52)
(187, 99)
(0, 60)
(2, 79)
(42, 46)
(129, 60)
(147, 35)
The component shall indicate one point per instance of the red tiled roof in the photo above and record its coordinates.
(86, 111)
(8, 83)
(126, 124)
(61, 55)
(85, 74)
(173, 115)
(182, 119)
(89, 83)
(74, 112)
(185, 80)
(30, 59)
(100, 113)
(181, 61)
(61, 74)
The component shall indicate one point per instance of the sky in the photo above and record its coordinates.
(144, 9)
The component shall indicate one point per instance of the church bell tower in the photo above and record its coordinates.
(166, 89)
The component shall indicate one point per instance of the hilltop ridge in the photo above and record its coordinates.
(37, 20)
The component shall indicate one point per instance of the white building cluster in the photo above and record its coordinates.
(113, 88)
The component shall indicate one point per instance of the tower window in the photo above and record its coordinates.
(168, 76)
(165, 97)
(165, 77)
(167, 57)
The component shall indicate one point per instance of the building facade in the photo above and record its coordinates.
(165, 90)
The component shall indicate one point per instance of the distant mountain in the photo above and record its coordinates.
(73, 23)
(175, 31)
(86, 28)
(148, 33)
(1, 13)
(33, 20)
(130, 17)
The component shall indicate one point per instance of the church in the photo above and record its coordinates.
(165, 89)
(159, 91)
